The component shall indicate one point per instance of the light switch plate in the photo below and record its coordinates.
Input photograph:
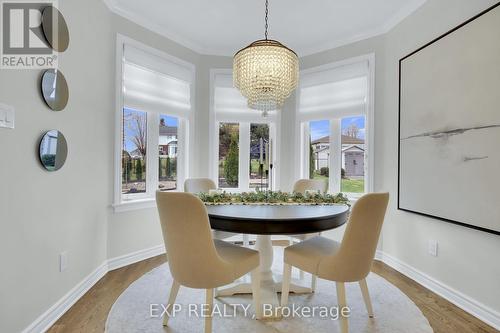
(63, 261)
(7, 116)
(433, 248)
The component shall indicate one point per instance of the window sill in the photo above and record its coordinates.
(137, 204)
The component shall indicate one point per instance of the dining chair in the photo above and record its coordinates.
(302, 186)
(348, 261)
(195, 259)
(204, 185)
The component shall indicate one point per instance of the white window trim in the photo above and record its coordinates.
(302, 164)
(244, 121)
(185, 135)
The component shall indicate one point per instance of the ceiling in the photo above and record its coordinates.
(221, 27)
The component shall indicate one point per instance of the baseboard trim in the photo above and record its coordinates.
(466, 303)
(132, 258)
(47, 319)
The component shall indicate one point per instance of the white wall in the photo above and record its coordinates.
(43, 214)
(467, 260)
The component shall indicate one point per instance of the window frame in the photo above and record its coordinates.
(244, 121)
(126, 202)
(335, 118)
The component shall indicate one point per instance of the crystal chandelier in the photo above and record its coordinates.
(266, 72)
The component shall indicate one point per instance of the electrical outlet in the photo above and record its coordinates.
(432, 247)
(63, 261)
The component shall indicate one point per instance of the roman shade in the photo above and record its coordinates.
(155, 84)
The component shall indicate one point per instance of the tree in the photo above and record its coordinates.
(226, 133)
(127, 166)
(167, 167)
(137, 124)
(231, 164)
(311, 162)
(352, 131)
(138, 170)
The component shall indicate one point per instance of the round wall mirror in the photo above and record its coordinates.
(55, 89)
(55, 29)
(53, 150)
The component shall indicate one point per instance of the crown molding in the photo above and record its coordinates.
(145, 23)
(369, 33)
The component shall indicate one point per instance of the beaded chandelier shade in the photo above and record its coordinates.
(266, 72)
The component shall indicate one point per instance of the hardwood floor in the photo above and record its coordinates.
(90, 312)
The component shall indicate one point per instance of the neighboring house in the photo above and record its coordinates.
(168, 141)
(353, 155)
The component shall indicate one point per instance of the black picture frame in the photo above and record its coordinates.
(399, 128)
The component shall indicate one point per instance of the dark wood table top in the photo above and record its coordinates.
(277, 219)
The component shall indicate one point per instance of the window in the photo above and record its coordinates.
(134, 151)
(155, 112)
(242, 140)
(167, 148)
(333, 108)
(319, 150)
(229, 134)
(259, 156)
(353, 154)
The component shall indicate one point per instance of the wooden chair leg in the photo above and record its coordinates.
(257, 303)
(171, 300)
(313, 282)
(287, 276)
(210, 302)
(366, 297)
(341, 300)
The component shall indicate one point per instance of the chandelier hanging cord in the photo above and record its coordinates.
(267, 13)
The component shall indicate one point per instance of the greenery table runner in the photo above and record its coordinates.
(272, 198)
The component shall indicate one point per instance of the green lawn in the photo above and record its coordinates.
(347, 185)
(353, 185)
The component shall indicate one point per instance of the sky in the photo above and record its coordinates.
(129, 133)
(321, 128)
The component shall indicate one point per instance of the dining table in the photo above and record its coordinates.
(264, 221)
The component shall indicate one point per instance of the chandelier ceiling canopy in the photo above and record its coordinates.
(266, 72)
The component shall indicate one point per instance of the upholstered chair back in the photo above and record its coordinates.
(199, 185)
(303, 185)
(353, 260)
(192, 257)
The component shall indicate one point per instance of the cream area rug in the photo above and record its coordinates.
(140, 306)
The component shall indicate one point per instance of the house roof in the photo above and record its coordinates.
(349, 140)
(168, 130)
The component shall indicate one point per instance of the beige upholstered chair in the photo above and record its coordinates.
(194, 258)
(302, 186)
(349, 261)
(204, 185)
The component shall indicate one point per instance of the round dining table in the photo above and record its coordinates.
(265, 221)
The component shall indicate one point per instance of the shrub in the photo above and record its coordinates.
(311, 162)
(231, 164)
(342, 173)
(138, 170)
(324, 171)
